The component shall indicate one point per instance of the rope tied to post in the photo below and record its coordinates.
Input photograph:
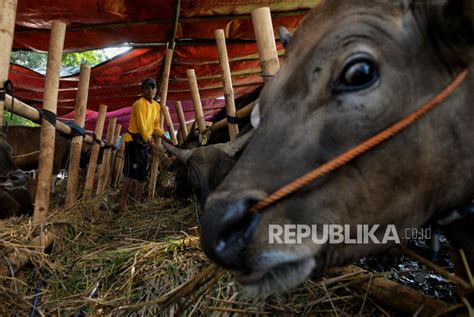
(48, 116)
(233, 120)
(95, 138)
(7, 88)
(110, 146)
(76, 130)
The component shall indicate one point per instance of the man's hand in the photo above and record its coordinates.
(154, 149)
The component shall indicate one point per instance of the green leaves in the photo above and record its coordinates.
(35, 60)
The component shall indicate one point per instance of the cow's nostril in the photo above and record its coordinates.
(17, 177)
(234, 239)
(227, 229)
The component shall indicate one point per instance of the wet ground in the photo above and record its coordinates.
(412, 273)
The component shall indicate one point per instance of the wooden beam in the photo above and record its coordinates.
(105, 26)
(22, 109)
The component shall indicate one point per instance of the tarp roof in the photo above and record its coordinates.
(148, 25)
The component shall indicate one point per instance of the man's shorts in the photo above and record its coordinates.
(137, 161)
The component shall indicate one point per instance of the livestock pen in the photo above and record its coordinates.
(79, 256)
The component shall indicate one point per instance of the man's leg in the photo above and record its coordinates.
(139, 191)
(126, 189)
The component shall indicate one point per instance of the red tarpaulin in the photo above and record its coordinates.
(149, 23)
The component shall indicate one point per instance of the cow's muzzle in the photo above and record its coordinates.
(227, 227)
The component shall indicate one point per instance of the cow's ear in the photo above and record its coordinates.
(285, 36)
(457, 27)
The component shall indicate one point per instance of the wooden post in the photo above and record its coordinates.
(182, 122)
(166, 115)
(113, 155)
(118, 164)
(48, 131)
(104, 166)
(99, 127)
(153, 173)
(165, 111)
(262, 25)
(164, 95)
(227, 78)
(196, 100)
(7, 27)
(76, 143)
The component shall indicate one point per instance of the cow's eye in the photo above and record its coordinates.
(359, 73)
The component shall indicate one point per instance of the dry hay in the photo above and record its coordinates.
(145, 262)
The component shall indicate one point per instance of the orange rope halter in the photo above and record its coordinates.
(359, 149)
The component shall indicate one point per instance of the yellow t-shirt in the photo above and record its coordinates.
(144, 120)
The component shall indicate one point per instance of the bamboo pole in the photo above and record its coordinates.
(227, 78)
(166, 113)
(48, 131)
(104, 166)
(153, 172)
(196, 100)
(182, 122)
(19, 258)
(118, 164)
(99, 127)
(262, 24)
(7, 27)
(76, 143)
(164, 95)
(113, 155)
(167, 118)
(22, 109)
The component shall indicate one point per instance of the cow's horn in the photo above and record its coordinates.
(285, 36)
(181, 154)
(231, 148)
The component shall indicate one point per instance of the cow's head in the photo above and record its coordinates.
(208, 165)
(10, 175)
(353, 68)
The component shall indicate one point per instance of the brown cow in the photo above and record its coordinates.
(16, 189)
(25, 143)
(17, 201)
(206, 166)
(353, 68)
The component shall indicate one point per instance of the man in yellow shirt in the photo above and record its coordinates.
(144, 123)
